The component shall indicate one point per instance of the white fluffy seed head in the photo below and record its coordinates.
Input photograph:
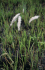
(19, 23)
(33, 18)
(14, 19)
(23, 10)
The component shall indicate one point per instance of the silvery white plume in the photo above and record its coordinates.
(19, 23)
(14, 19)
(33, 18)
(23, 10)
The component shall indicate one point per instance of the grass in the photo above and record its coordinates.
(22, 49)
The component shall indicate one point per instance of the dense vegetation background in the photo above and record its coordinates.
(24, 49)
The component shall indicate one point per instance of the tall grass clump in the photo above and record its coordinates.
(22, 44)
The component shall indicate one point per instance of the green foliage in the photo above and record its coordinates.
(30, 41)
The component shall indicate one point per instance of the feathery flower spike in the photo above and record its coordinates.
(14, 19)
(23, 10)
(19, 23)
(33, 18)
